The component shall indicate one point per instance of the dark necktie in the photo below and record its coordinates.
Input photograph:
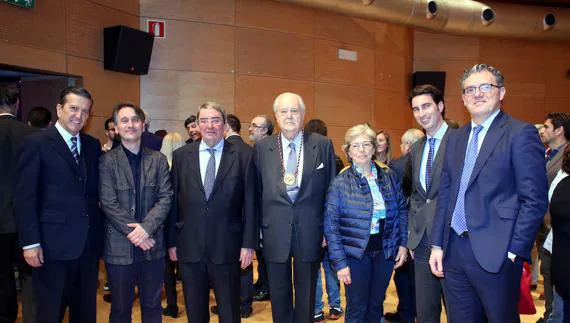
(292, 190)
(74, 151)
(431, 142)
(210, 173)
(458, 221)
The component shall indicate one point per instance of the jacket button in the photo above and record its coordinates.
(85, 214)
(132, 210)
(428, 201)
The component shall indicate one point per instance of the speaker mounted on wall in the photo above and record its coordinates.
(127, 50)
(434, 78)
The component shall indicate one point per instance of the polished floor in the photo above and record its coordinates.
(262, 310)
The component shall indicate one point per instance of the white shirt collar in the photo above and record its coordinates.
(440, 132)
(487, 123)
(296, 140)
(64, 133)
(218, 147)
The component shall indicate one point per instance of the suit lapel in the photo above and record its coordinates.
(494, 135)
(194, 167)
(418, 162)
(554, 161)
(309, 161)
(275, 159)
(60, 146)
(145, 167)
(228, 157)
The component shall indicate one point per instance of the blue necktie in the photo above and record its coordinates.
(210, 173)
(292, 190)
(458, 221)
(74, 151)
(431, 142)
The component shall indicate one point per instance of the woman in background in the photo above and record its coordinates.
(383, 151)
(170, 143)
(366, 227)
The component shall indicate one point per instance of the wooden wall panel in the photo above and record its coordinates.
(129, 6)
(336, 134)
(435, 46)
(160, 97)
(393, 73)
(197, 88)
(510, 49)
(269, 14)
(557, 79)
(556, 51)
(345, 29)
(392, 111)
(329, 68)
(395, 40)
(95, 126)
(524, 108)
(344, 105)
(106, 87)
(212, 11)
(269, 53)
(191, 46)
(455, 110)
(41, 27)
(34, 58)
(558, 105)
(255, 95)
(86, 21)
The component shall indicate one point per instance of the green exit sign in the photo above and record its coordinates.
(29, 4)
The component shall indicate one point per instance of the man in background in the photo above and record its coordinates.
(39, 117)
(12, 133)
(192, 128)
(111, 134)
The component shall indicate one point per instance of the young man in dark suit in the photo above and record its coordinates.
(12, 133)
(426, 160)
(56, 199)
(492, 197)
(213, 226)
(294, 170)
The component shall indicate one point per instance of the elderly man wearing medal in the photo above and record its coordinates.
(294, 170)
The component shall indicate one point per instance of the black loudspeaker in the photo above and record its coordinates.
(127, 50)
(436, 79)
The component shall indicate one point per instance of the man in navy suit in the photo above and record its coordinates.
(492, 197)
(56, 202)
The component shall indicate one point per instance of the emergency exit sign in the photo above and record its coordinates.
(29, 4)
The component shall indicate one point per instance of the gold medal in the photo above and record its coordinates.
(289, 179)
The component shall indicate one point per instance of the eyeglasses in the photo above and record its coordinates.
(364, 145)
(257, 126)
(483, 88)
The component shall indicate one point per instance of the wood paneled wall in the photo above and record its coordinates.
(536, 72)
(66, 36)
(243, 53)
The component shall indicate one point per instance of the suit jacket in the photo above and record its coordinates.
(118, 196)
(423, 205)
(219, 227)
(12, 133)
(554, 165)
(56, 199)
(560, 211)
(278, 213)
(243, 148)
(506, 196)
(399, 166)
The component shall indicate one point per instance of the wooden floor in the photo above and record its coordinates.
(262, 310)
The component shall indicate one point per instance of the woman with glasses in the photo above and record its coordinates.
(366, 226)
(383, 151)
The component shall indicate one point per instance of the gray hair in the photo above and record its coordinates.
(297, 96)
(355, 132)
(478, 68)
(212, 105)
(411, 136)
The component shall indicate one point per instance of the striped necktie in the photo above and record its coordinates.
(74, 150)
(210, 173)
(429, 163)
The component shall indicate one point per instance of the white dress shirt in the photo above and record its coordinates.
(205, 157)
(438, 137)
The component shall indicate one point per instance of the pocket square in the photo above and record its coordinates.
(321, 166)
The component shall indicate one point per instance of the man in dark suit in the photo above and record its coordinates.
(294, 170)
(12, 133)
(426, 160)
(491, 200)
(56, 199)
(213, 227)
(404, 275)
(555, 134)
(246, 286)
